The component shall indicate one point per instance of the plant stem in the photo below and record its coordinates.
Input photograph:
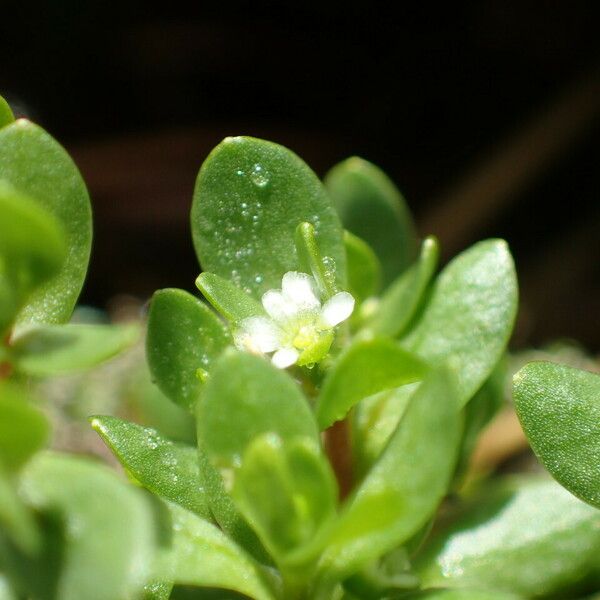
(339, 450)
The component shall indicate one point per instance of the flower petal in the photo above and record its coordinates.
(298, 288)
(337, 309)
(285, 357)
(277, 306)
(259, 334)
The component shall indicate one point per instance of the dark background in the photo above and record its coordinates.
(486, 114)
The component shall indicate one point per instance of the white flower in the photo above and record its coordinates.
(297, 329)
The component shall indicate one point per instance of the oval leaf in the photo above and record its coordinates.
(366, 368)
(250, 196)
(184, 336)
(364, 268)
(167, 469)
(44, 350)
(541, 541)
(405, 485)
(470, 315)
(36, 165)
(371, 207)
(559, 408)
(6, 114)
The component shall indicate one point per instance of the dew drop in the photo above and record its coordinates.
(259, 176)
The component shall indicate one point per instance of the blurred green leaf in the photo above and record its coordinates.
(287, 492)
(228, 299)
(6, 592)
(469, 316)
(44, 350)
(157, 590)
(406, 484)
(23, 428)
(559, 408)
(37, 166)
(6, 114)
(401, 301)
(108, 526)
(165, 468)
(525, 537)
(32, 250)
(245, 397)
(462, 594)
(250, 196)
(184, 336)
(202, 556)
(371, 207)
(366, 368)
(364, 268)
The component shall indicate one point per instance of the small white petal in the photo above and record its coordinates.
(285, 357)
(337, 309)
(277, 306)
(262, 334)
(298, 288)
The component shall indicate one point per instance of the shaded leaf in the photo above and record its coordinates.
(364, 268)
(6, 115)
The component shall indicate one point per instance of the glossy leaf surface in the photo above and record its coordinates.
(245, 397)
(166, 468)
(37, 166)
(469, 315)
(539, 538)
(202, 556)
(366, 368)
(402, 299)
(371, 207)
(44, 350)
(364, 268)
(559, 408)
(249, 198)
(184, 335)
(108, 526)
(6, 114)
(406, 484)
(311, 260)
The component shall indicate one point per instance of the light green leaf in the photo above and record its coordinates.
(366, 368)
(371, 207)
(245, 397)
(44, 350)
(287, 492)
(228, 299)
(462, 594)
(250, 196)
(108, 526)
(540, 540)
(184, 338)
(6, 593)
(157, 590)
(23, 428)
(6, 114)
(403, 298)
(364, 268)
(203, 556)
(32, 250)
(559, 409)
(470, 315)
(166, 468)
(310, 260)
(405, 485)
(37, 166)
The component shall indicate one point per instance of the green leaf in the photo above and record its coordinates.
(245, 397)
(37, 166)
(310, 260)
(202, 556)
(540, 540)
(403, 298)
(108, 526)
(167, 469)
(250, 196)
(6, 114)
(469, 315)
(287, 492)
(32, 250)
(371, 207)
(366, 368)
(23, 428)
(6, 593)
(227, 298)
(462, 594)
(184, 336)
(157, 590)
(364, 268)
(559, 409)
(405, 485)
(44, 350)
